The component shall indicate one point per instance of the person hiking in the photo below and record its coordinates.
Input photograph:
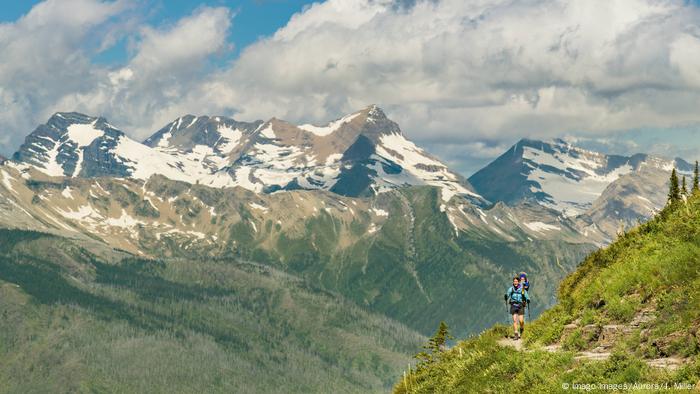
(524, 282)
(518, 299)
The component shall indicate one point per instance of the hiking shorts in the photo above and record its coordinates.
(517, 309)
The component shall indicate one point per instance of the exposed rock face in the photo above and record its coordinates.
(225, 136)
(73, 144)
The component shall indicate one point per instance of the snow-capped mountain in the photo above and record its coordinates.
(72, 144)
(561, 176)
(363, 153)
(77, 145)
(217, 138)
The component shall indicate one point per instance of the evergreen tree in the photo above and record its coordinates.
(684, 188)
(674, 192)
(696, 178)
(435, 344)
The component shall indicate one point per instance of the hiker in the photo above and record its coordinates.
(524, 282)
(518, 299)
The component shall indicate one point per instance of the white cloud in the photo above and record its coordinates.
(481, 69)
(43, 58)
(156, 84)
(468, 72)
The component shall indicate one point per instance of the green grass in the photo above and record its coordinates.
(71, 322)
(654, 268)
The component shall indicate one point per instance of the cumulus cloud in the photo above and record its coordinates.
(483, 68)
(44, 58)
(165, 77)
(459, 76)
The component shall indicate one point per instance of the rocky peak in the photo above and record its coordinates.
(189, 131)
(59, 146)
(376, 124)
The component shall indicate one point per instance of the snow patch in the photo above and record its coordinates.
(84, 134)
(67, 193)
(330, 128)
(579, 180)
(541, 227)
(268, 132)
(6, 181)
(83, 213)
(258, 207)
(644, 199)
(422, 168)
(164, 141)
(231, 138)
(372, 228)
(380, 212)
(124, 221)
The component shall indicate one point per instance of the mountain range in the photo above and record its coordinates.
(357, 155)
(353, 207)
(212, 186)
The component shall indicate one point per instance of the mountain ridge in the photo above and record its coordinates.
(604, 193)
(354, 155)
(538, 170)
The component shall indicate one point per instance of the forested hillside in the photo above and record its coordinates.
(75, 322)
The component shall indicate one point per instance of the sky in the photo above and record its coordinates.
(465, 79)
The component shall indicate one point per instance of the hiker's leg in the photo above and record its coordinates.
(522, 323)
(515, 323)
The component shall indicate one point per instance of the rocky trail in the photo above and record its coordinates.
(604, 337)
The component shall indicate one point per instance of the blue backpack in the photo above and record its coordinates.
(516, 295)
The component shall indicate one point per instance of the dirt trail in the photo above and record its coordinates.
(606, 336)
(670, 363)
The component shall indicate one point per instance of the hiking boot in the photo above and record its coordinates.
(516, 336)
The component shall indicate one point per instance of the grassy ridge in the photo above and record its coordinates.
(72, 322)
(652, 271)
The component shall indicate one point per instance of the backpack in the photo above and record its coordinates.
(520, 299)
(526, 285)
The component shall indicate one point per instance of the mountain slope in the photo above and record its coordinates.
(631, 199)
(74, 321)
(626, 315)
(395, 253)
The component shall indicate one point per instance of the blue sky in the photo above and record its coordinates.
(465, 80)
(253, 19)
